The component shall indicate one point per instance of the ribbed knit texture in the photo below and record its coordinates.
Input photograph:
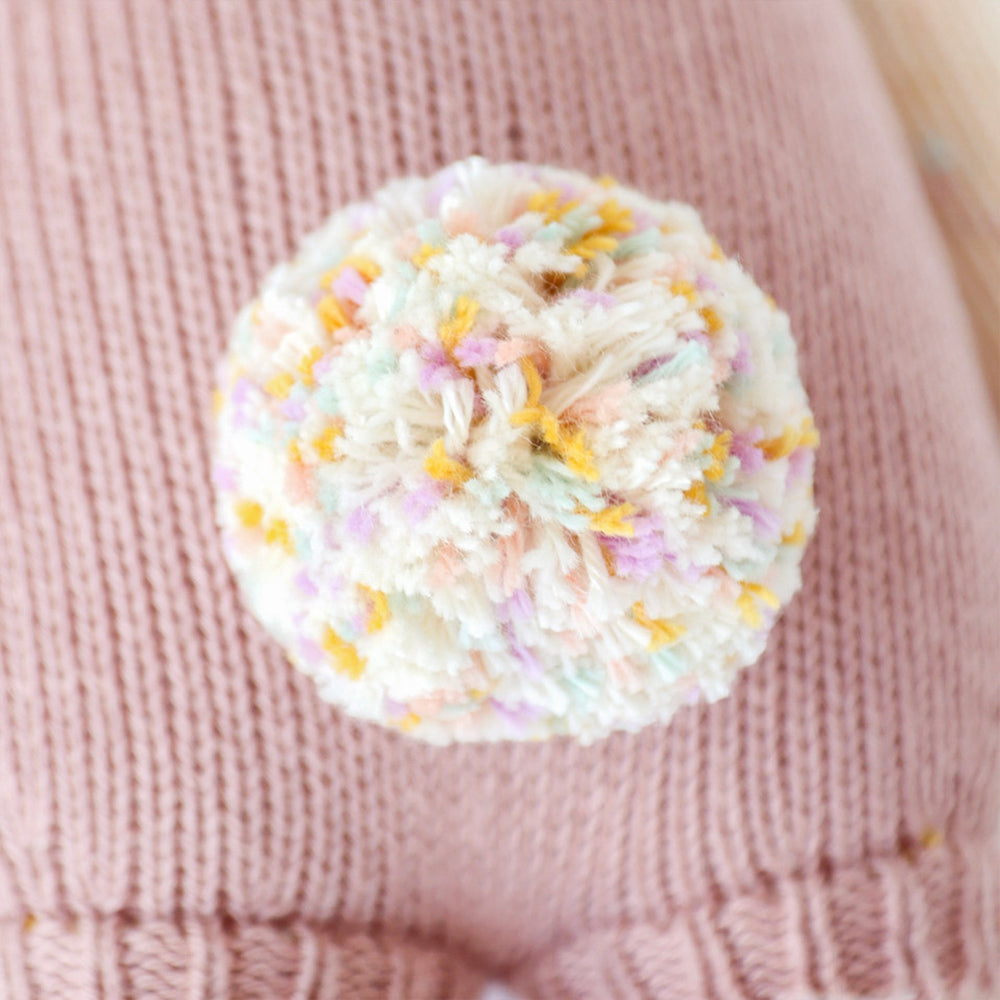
(181, 816)
(940, 62)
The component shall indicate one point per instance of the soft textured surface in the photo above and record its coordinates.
(180, 813)
(510, 452)
(940, 62)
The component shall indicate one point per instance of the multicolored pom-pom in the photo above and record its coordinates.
(509, 452)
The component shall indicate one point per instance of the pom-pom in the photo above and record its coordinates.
(510, 452)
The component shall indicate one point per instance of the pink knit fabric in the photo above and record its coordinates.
(180, 816)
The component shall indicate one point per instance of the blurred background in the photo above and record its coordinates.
(941, 61)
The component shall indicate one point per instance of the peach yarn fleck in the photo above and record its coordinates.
(182, 817)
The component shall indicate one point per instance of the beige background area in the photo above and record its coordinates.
(940, 62)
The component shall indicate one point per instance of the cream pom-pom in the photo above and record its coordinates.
(510, 452)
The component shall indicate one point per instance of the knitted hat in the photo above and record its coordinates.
(182, 816)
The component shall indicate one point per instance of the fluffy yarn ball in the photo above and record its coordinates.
(510, 452)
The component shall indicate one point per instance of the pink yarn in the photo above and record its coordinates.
(181, 816)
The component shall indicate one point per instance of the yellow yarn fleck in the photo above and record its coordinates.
(571, 447)
(306, 363)
(409, 722)
(748, 607)
(797, 536)
(684, 288)
(441, 465)
(249, 513)
(280, 385)
(277, 533)
(453, 330)
(533, 380)
(697, 493)
(664, 632)
(808, 435)
(719, 452)
(589, 246)
(425, 253)
(712, 319)
(345, 655)
(547, 202)
(616, 218)
(331, 313)
(379, 607)
(931, 839)
(610, 521)
(804, 436)
(324, 443)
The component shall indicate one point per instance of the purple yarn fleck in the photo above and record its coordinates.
(476, 351)
(767, 522)
(349, 285)
(592, 298)
(643, 554)
(518, 715)
(292, 409)
(525, 656)
(243, 391)
(650, 365)
(744, 447)
(742, 361)
(511, 236)
(394, 709)
(418, 504)
(224, 477)
(310, 651)
(438, 368)
(519, 605)
(800, 464)
(698, 335)
(444, 184)
(361, 525)
(322, 366)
